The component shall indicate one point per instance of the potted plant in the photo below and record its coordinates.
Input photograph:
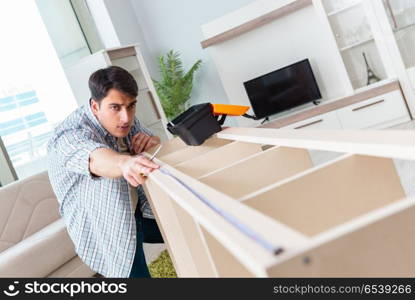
(175, 86)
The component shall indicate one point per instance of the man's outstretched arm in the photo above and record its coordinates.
(108, 163)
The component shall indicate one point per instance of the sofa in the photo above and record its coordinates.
(33, 238)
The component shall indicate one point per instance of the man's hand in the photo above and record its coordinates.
(142, 142)
(136, 168)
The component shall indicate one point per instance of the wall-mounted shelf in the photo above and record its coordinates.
(356, 44)
(337, 11)
(256, 22)
(347, 31)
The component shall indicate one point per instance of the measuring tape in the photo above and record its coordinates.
(275, 250)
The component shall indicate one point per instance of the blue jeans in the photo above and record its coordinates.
(147, 232)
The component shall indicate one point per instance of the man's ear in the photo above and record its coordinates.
(94, 106)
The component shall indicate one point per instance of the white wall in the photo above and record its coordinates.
(161, 25)
(103, 22)
(282, 42)
(117, 25)
(126, 26)
(176, 25)
(64, 30)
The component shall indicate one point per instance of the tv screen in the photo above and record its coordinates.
(282, 89)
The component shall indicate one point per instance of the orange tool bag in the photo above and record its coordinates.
(201, 121)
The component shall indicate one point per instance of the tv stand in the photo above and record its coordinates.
(377, 107)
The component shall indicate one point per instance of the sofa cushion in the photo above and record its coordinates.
(40, 254)
(74, 268)
(27, 206)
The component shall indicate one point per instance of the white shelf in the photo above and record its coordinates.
(357, 44)
(337, 11)
(375, 85)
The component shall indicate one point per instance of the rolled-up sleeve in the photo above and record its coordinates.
(73, 148)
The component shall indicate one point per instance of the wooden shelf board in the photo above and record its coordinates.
(337, 11)
(255, 23)
(357, 44)
(121, 53)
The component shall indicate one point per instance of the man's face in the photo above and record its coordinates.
(115, 112)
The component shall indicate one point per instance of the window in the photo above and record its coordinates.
(34, 92)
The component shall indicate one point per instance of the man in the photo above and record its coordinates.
(96, 172)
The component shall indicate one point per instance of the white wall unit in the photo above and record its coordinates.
(148, 110)
(284, 41)
(401, 15)
(353, 31)
(396, 20)
(380, 106)
(333, 35)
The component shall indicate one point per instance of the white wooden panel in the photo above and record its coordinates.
(375, 245)
(374, 112)
(327, 196)
(173, 233)
(218, 158)
(323, 213)
(251, 254)
(173, 145)
(384, 143)
(227, 265)
(324, 121)
(190, 152)
(258, 170)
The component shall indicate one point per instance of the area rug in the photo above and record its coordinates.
(162, 267)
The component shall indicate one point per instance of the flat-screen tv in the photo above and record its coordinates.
(282, 89)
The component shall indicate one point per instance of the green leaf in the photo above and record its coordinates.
(175, 86)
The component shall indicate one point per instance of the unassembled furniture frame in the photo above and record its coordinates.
(347, 216)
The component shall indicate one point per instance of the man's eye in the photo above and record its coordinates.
(131, 106)
(114, 107)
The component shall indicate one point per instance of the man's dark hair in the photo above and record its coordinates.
(102, 80)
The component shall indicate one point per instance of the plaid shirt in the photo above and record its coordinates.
(97, 210)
